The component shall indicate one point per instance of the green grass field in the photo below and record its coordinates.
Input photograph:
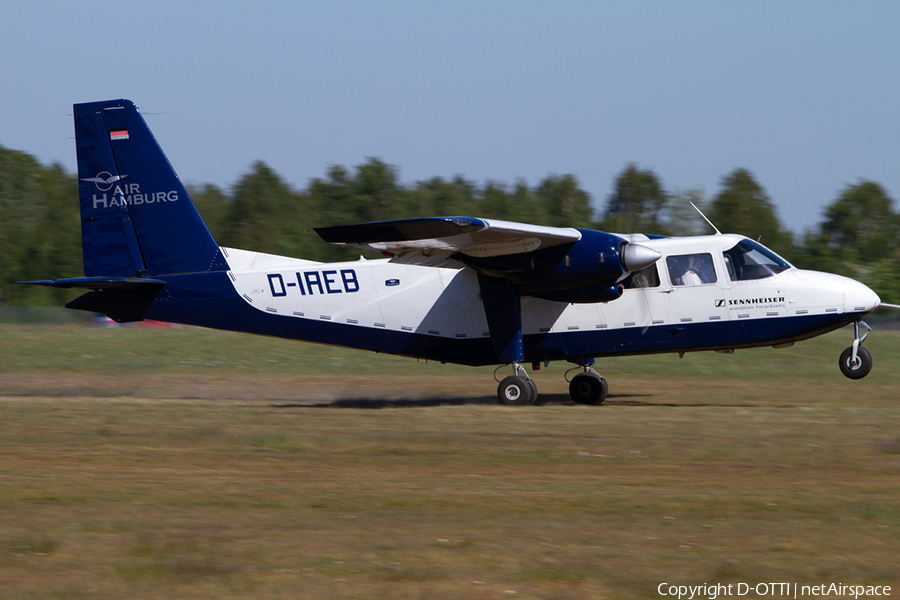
(186, 463)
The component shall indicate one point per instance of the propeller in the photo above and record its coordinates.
(636, 257)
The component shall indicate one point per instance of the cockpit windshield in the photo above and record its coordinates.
(750, 260)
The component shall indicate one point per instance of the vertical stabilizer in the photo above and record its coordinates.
(136, 216)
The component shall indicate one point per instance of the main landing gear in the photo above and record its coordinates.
(856, 361)
(518, 389)
(588, 387)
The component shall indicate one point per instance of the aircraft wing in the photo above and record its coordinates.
(432, 241)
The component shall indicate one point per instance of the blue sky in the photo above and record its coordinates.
(805, 95)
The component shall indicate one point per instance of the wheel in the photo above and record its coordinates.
(532, 389)
(516, 391)
(858, 369)
(588, 388)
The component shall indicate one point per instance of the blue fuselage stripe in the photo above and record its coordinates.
(210, 300)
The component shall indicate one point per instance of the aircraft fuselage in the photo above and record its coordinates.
(437, 313)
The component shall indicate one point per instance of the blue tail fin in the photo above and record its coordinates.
(136, 216)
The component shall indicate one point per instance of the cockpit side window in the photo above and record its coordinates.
(750, 260)
(691, 269)
(645, 278)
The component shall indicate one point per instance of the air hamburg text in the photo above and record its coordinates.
(130, 195)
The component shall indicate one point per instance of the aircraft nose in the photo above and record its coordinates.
(859, 297)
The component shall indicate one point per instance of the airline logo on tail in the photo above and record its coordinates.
(104, 180)
(127, 194)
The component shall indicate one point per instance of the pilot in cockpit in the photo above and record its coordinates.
(699, 272)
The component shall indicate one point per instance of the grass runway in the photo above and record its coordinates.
(186, 463)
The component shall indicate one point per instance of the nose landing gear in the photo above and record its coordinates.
(856, 361)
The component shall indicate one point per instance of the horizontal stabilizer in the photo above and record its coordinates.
(119, 284)
(122, 299)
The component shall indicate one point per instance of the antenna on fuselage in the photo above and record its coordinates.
(705, 219)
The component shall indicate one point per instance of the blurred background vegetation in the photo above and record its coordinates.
(40, 233)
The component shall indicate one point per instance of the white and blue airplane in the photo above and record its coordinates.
(453, 289)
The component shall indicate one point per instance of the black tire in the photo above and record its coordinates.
(532, 388)
(588, 388)
(515, 391)
(859, 369)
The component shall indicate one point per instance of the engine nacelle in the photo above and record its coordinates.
(582, 272)
(586, 271)
(586, 295)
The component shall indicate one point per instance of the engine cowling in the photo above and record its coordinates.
(586, 295)
(586, 271)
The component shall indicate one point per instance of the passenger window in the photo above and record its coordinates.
(691, 269)
(645, 278)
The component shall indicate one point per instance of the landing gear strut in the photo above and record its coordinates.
(588, 387)
(518, 389)
(856, 361)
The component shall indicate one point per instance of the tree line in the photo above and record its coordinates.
(40, 232)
